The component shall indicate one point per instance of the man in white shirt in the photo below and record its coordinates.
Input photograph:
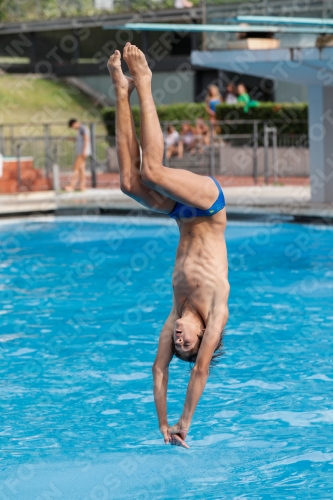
(83, 150)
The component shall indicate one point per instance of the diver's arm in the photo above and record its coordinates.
(160, 373)
(200, 371)
(195, 388)
(160, 394)
(194, 391)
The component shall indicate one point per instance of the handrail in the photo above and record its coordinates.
(86, 14)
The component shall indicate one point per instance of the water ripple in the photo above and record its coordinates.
(79, 330)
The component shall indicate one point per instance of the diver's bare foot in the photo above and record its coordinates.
(123, 85)
(137, 64)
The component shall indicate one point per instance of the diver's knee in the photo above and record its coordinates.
(126, 186)
(151, 173)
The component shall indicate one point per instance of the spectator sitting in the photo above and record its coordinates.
(231, 96)
(183, 4)
(245, 99)
(171, 141)
(187, 140)
(212, 100)
(201, 132)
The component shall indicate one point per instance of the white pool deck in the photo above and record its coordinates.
(241, 201)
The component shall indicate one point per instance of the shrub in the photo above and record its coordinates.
(290, 119)
(168, 113)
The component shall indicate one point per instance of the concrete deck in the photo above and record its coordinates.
(241, 201)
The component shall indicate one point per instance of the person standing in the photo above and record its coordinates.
(231, 95)
(213, 98)
(245, 99)
(83, 150)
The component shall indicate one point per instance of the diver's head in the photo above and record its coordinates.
(187, 336)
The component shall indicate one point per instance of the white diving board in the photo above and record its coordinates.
(217, 28)
(278, 20)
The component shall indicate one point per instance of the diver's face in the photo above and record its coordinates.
(186, 335)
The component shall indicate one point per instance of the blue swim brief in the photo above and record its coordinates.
(182, 211)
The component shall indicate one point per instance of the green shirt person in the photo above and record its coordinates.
(244, 98)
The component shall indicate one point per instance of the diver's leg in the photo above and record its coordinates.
(127, 145)
(180, 185)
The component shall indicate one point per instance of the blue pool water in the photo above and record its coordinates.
(82, 303)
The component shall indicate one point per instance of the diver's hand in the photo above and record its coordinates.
(178, 435)
(165, 433)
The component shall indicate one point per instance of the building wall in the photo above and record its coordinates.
(290, 92)
(168, 87)
(84, 53)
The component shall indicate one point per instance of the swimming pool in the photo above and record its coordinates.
(82, 304)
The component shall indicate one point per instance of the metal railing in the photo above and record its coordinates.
(50, 144)
(261, 152)
(17, 10)
(216, 10)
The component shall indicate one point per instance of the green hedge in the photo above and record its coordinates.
(290, 119)
(168, 113)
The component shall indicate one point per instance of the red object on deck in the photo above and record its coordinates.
(31, 179)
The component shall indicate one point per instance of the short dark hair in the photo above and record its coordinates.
(191, 356)
(71, 122)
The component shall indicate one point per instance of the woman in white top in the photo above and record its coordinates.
(231, 96)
